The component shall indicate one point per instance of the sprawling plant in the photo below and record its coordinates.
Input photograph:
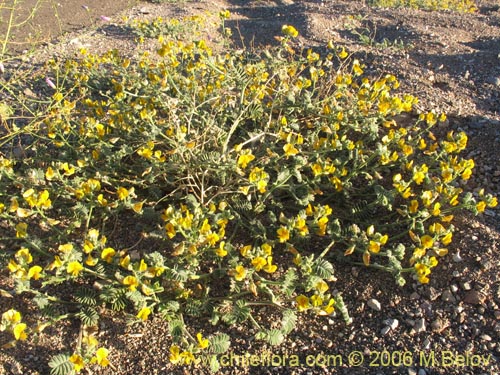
(466, 6)
(253, 174)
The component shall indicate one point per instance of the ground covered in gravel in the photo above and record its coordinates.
(451, 62)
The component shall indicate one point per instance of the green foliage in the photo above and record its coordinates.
(61, 365)
(467, 6)
(367, 34)
(252, 173)
(184, 29)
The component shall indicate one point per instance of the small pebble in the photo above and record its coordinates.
(384, 331)
(419, 325)
(456, 257)
(374, 304)
(393, 323)
(466, 285)
(474, 297)
(427, 344)
(447, 296)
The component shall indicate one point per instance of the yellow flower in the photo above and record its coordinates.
(301, 226)
(137, 207)
(261, 186)
(88, 247)
(11, 316)
(144, 313)
(240, 273)
(77, 362)
(446, 240)
(13, 266)
(245, 158)
(175, 354)
(213, 238)
(90, 261)
(19, 331)
(329, 308)
(258, 263)
(131, 282)
(418, 252)
(268, 249)
(321, 286)
(107, 254)
(224, 14)
(21, 230)
(49, 174)
(493, 202)
(270, 267)
(466, 174)
(170, 230)
(374, 246)
(419, 174)
(357, 68)
(290, 31)
(66, 248)
(422, 272)
(125, 261)
(283, 234)
(290, 150)
(427, 241)
(55, 264)
(101, 357)
(68, 169)
(24, 255)
(343, 54)
(221, 251)
(302, 302)
(43, 200)
(90, 341)
(122, 193)
(102, 201)
(187, 357)
(317, 169)
(205, 227)
(74, 268)
(481, 206)
(202, 343)
(413, 206)
(316, 300)
(142, 266)
(34, 272)
(436, 211)
(245, 249)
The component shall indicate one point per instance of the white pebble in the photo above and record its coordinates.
(374, 304)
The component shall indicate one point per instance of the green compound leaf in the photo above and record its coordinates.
(220, 343)
(288, 322)
(288, 283)
(275, 337)
(86, 296)
(322, 268)
(237, 313)
(176, 328)
(88, 315)
(214, 364)
(60, 365)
